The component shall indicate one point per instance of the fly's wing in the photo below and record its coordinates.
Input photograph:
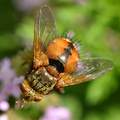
(88, 69)
(45, 29)
(49, 32)
(44, 32)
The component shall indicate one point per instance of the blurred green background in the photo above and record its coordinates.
(96, 24)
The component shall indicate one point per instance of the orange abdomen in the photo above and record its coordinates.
(64, 50)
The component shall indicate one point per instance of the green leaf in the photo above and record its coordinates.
(101, 89)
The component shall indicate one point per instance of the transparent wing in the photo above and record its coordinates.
(88, 69)
(44, 32)
(45, 29)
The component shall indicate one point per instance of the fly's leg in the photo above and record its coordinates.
(61, 82)
(20, 103)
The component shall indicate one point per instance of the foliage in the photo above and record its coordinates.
(96, 24)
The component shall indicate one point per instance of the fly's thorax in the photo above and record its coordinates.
(41, 81)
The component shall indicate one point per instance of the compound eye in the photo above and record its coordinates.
(57, 64)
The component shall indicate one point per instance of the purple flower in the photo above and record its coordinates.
(8, 80)
(27, 5)
(4, 106)
(70, 34)
(82, 2)
(56, 113)
(4, 117)
(6, 73)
